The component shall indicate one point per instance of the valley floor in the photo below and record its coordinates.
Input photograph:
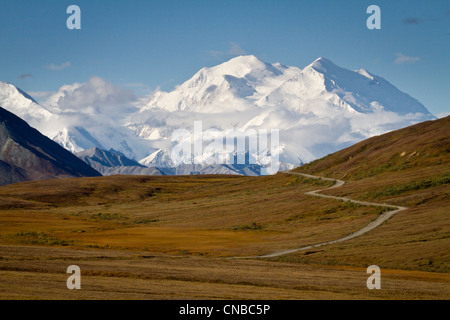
(138, 237)
(39, 273)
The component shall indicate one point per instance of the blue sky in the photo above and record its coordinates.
(143, 45)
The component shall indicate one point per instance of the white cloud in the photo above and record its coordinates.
(235, 50)
(401, 59)
(55, 67)
(95, 96)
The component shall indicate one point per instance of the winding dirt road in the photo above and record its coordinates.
(338, 183)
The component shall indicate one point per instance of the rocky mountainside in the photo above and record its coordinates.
(113, 162)
(26, 154)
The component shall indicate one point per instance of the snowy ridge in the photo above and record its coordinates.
(22, 105)
(158, 158)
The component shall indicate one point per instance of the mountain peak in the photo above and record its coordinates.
(323, 60)
(22, 104)
(158, 158)
(246, 59)
(322, 65)
(112, 158)
(241, 66)
(13, 91)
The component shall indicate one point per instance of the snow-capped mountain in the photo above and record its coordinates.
(158, 158)
(232, 86)
(96, 156)
(317, 110)
(76, 139)
(94, 133)
(23, 105)
(75, 131)
(245, 82)
(113, 163)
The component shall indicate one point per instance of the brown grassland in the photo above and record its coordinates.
(160, 237)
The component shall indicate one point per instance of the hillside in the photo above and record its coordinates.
(408, 167)
(425, 145)
(27, 155)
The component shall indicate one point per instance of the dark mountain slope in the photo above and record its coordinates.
(26, 154)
